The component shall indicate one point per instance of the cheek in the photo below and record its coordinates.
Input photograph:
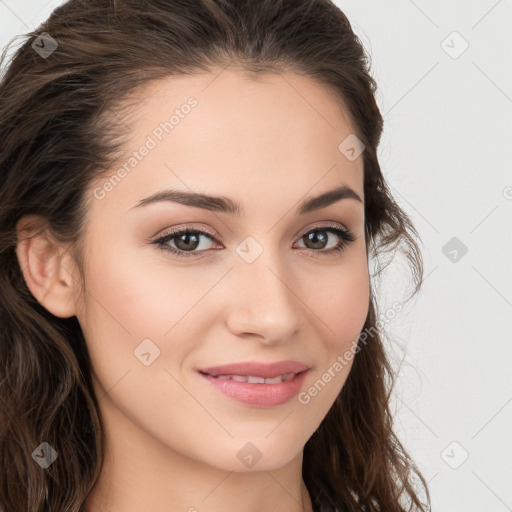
(343, 304)
(141, 298)
(342, 311)
(128, 302)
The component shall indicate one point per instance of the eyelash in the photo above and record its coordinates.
(344, 234)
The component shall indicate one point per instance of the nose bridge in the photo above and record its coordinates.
(264, 302)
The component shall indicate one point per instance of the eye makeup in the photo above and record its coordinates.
(184, 234)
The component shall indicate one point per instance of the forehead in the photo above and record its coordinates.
(233, 100)
(228, 134)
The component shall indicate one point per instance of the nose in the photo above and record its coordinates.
(262, 302)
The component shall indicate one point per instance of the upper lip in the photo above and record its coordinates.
(255, 369)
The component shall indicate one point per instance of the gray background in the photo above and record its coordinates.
(447, 155)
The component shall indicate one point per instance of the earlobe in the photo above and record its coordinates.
(44, 263)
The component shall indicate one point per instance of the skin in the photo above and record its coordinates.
(172, 441)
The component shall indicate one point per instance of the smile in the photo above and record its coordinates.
(256, 380)
(256, 391)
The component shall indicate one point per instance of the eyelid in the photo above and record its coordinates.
(189, 227)
(216, 236)
(323, 224)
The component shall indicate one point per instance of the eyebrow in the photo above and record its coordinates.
(226, 205)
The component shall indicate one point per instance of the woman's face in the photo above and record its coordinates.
(249, 286)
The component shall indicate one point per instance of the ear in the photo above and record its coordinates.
(47, 266)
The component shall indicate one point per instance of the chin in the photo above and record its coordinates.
(256, 455)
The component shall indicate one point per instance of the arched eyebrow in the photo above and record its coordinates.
(225, 205)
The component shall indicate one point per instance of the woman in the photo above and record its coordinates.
(190, 196)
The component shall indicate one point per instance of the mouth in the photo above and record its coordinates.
(252, 379)
(255, 369)
(257, 384)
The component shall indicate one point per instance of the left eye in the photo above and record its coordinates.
(187, 240)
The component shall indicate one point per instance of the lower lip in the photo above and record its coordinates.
(259, 395)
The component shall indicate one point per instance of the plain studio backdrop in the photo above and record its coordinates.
(445, 90)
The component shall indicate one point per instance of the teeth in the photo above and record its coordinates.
(256, 380)
(274, 380)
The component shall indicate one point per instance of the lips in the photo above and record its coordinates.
(255, 369)
(257, 384)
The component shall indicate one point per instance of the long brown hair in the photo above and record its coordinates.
(62, 98)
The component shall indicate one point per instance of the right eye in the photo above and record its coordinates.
(185, 240)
